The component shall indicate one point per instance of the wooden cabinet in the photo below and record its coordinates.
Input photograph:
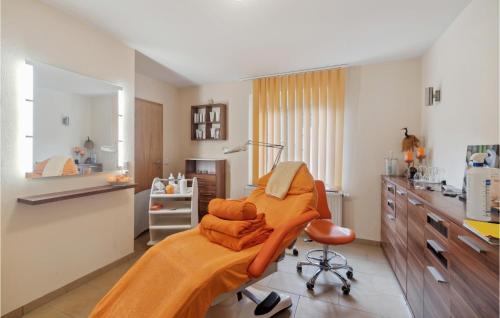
(401, 236)
(394, 224)
(474, 273)
(415, 256)
(388, 222)
(211, 177)
(436, 277)
(444, 269)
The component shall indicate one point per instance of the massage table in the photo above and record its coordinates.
(185, 274)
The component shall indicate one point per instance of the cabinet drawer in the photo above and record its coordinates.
(415, 284)
(416, 225)
(436, 291)
(389, 188)
(402, 222)
(475, 247)
(436, 247)
(440, 224)
(388, 246)
(474, 279)
(390, 205)
(400, 262)
(389, 220)
(401, 195)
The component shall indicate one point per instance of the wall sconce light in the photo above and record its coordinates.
(432, 96)
(65, 120)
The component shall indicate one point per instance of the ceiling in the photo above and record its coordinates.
(53, 78)
(207, 41)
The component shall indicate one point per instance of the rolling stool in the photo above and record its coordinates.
(323, 231)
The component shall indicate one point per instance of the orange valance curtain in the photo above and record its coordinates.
(304, 112)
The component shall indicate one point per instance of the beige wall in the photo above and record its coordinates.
(463, 63)
(380, 100)
(236, 95)
(45, 247)
(160, 92)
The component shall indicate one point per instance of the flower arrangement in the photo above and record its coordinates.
(79, 151)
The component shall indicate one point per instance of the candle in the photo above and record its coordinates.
(408, 156)
(420, 152)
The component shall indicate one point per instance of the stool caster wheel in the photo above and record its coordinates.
(309, 286)
(346, 290)
(299, 268)
(349, 274)
(295, 252)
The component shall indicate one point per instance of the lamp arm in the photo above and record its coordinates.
(264, 144)
(277, 159)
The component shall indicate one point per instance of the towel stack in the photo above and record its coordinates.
(234, 224)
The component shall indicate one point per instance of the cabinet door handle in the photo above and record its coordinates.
(390, 203)
(390, 217)
(401, 192)
(435, 246)
(434, 217)
(390, 188)
(436, 275)
(468, 241)
(414, 202)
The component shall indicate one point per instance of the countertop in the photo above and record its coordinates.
(452, 208)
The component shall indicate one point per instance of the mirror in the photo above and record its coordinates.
(75, 123)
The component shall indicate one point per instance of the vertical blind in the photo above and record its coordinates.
(304, 112)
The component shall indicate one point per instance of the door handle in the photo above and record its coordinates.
(468, 241)
(390, 188)
(414, 202)
(436, 275)
(434, 217)
(401, 192)
(390, 203)
(435, 246)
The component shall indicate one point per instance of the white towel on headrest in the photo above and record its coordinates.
(282, 178)
(55, 166)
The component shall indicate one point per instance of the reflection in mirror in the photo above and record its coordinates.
(75, 123)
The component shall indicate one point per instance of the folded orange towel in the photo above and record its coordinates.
(237, 244)
(232, 209)
(236, 229)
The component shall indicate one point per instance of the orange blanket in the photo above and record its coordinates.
(232, 209)
(183, 274)
(178, 277)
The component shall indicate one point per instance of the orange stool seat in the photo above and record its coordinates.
(324, 231)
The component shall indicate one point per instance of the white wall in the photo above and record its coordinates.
(380, 100)
(236, 96)
(45, 247)
(463, 63)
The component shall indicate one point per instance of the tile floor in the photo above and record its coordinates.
(374, 292)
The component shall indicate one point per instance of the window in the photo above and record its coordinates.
(305, 113)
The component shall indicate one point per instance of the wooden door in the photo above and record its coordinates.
(148, 143)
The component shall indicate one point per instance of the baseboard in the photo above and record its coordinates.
(32, 305)
(367, 242)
